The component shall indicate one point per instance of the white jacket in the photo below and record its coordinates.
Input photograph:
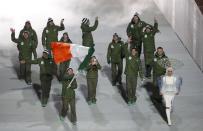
(173, 87)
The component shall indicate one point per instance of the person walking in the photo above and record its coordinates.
(169, 87)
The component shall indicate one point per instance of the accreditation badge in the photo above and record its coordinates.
(155, 59)
(112, 46)
(47, 31)
(145, 36)
(21, 43)
(130, 58)
(42, 63)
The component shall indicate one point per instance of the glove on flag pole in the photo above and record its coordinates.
(64, 51)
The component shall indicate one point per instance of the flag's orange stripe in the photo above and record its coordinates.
(61, 51)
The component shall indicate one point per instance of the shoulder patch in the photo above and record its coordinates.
(129, 57)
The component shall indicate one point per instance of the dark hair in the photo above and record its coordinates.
(159, 47)
(134, 49)
(69, 69)
(115, 34)
(133, 18)
(93, 56)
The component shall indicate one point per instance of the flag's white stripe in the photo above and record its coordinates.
(78, 50)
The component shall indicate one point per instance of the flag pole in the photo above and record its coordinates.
(69, 85)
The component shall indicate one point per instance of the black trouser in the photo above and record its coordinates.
(148, 69)
(155, 88)
(46, 87)
(25, 71)
(66, 104)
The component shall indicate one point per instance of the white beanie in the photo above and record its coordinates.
(50, 19)
(46, 51)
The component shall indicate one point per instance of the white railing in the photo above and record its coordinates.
(187, 21)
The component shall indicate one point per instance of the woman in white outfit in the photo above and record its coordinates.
(169, 87)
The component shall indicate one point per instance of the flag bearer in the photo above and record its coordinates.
(69, 84)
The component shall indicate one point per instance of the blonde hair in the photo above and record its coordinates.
(169, 69)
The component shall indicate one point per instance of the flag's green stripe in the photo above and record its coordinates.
(85, 62)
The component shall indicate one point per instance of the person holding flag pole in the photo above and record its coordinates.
(68, 95)
(64, 52)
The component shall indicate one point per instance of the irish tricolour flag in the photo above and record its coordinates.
(65, 51)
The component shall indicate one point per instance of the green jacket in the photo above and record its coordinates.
(68, 92)
(92, 70)
(133, 66)
(47, 66)
(32, 35)
(126, 50)
(148, 39)
(114, 53)
(159, 70)
(87, 39)
(50, 34)
(135, 30)
(25, 47)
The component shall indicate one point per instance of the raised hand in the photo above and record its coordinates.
(97, 18)
(62, 20)
(12, 30)
(155, 19)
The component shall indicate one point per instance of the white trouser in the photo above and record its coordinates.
(168, 98)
